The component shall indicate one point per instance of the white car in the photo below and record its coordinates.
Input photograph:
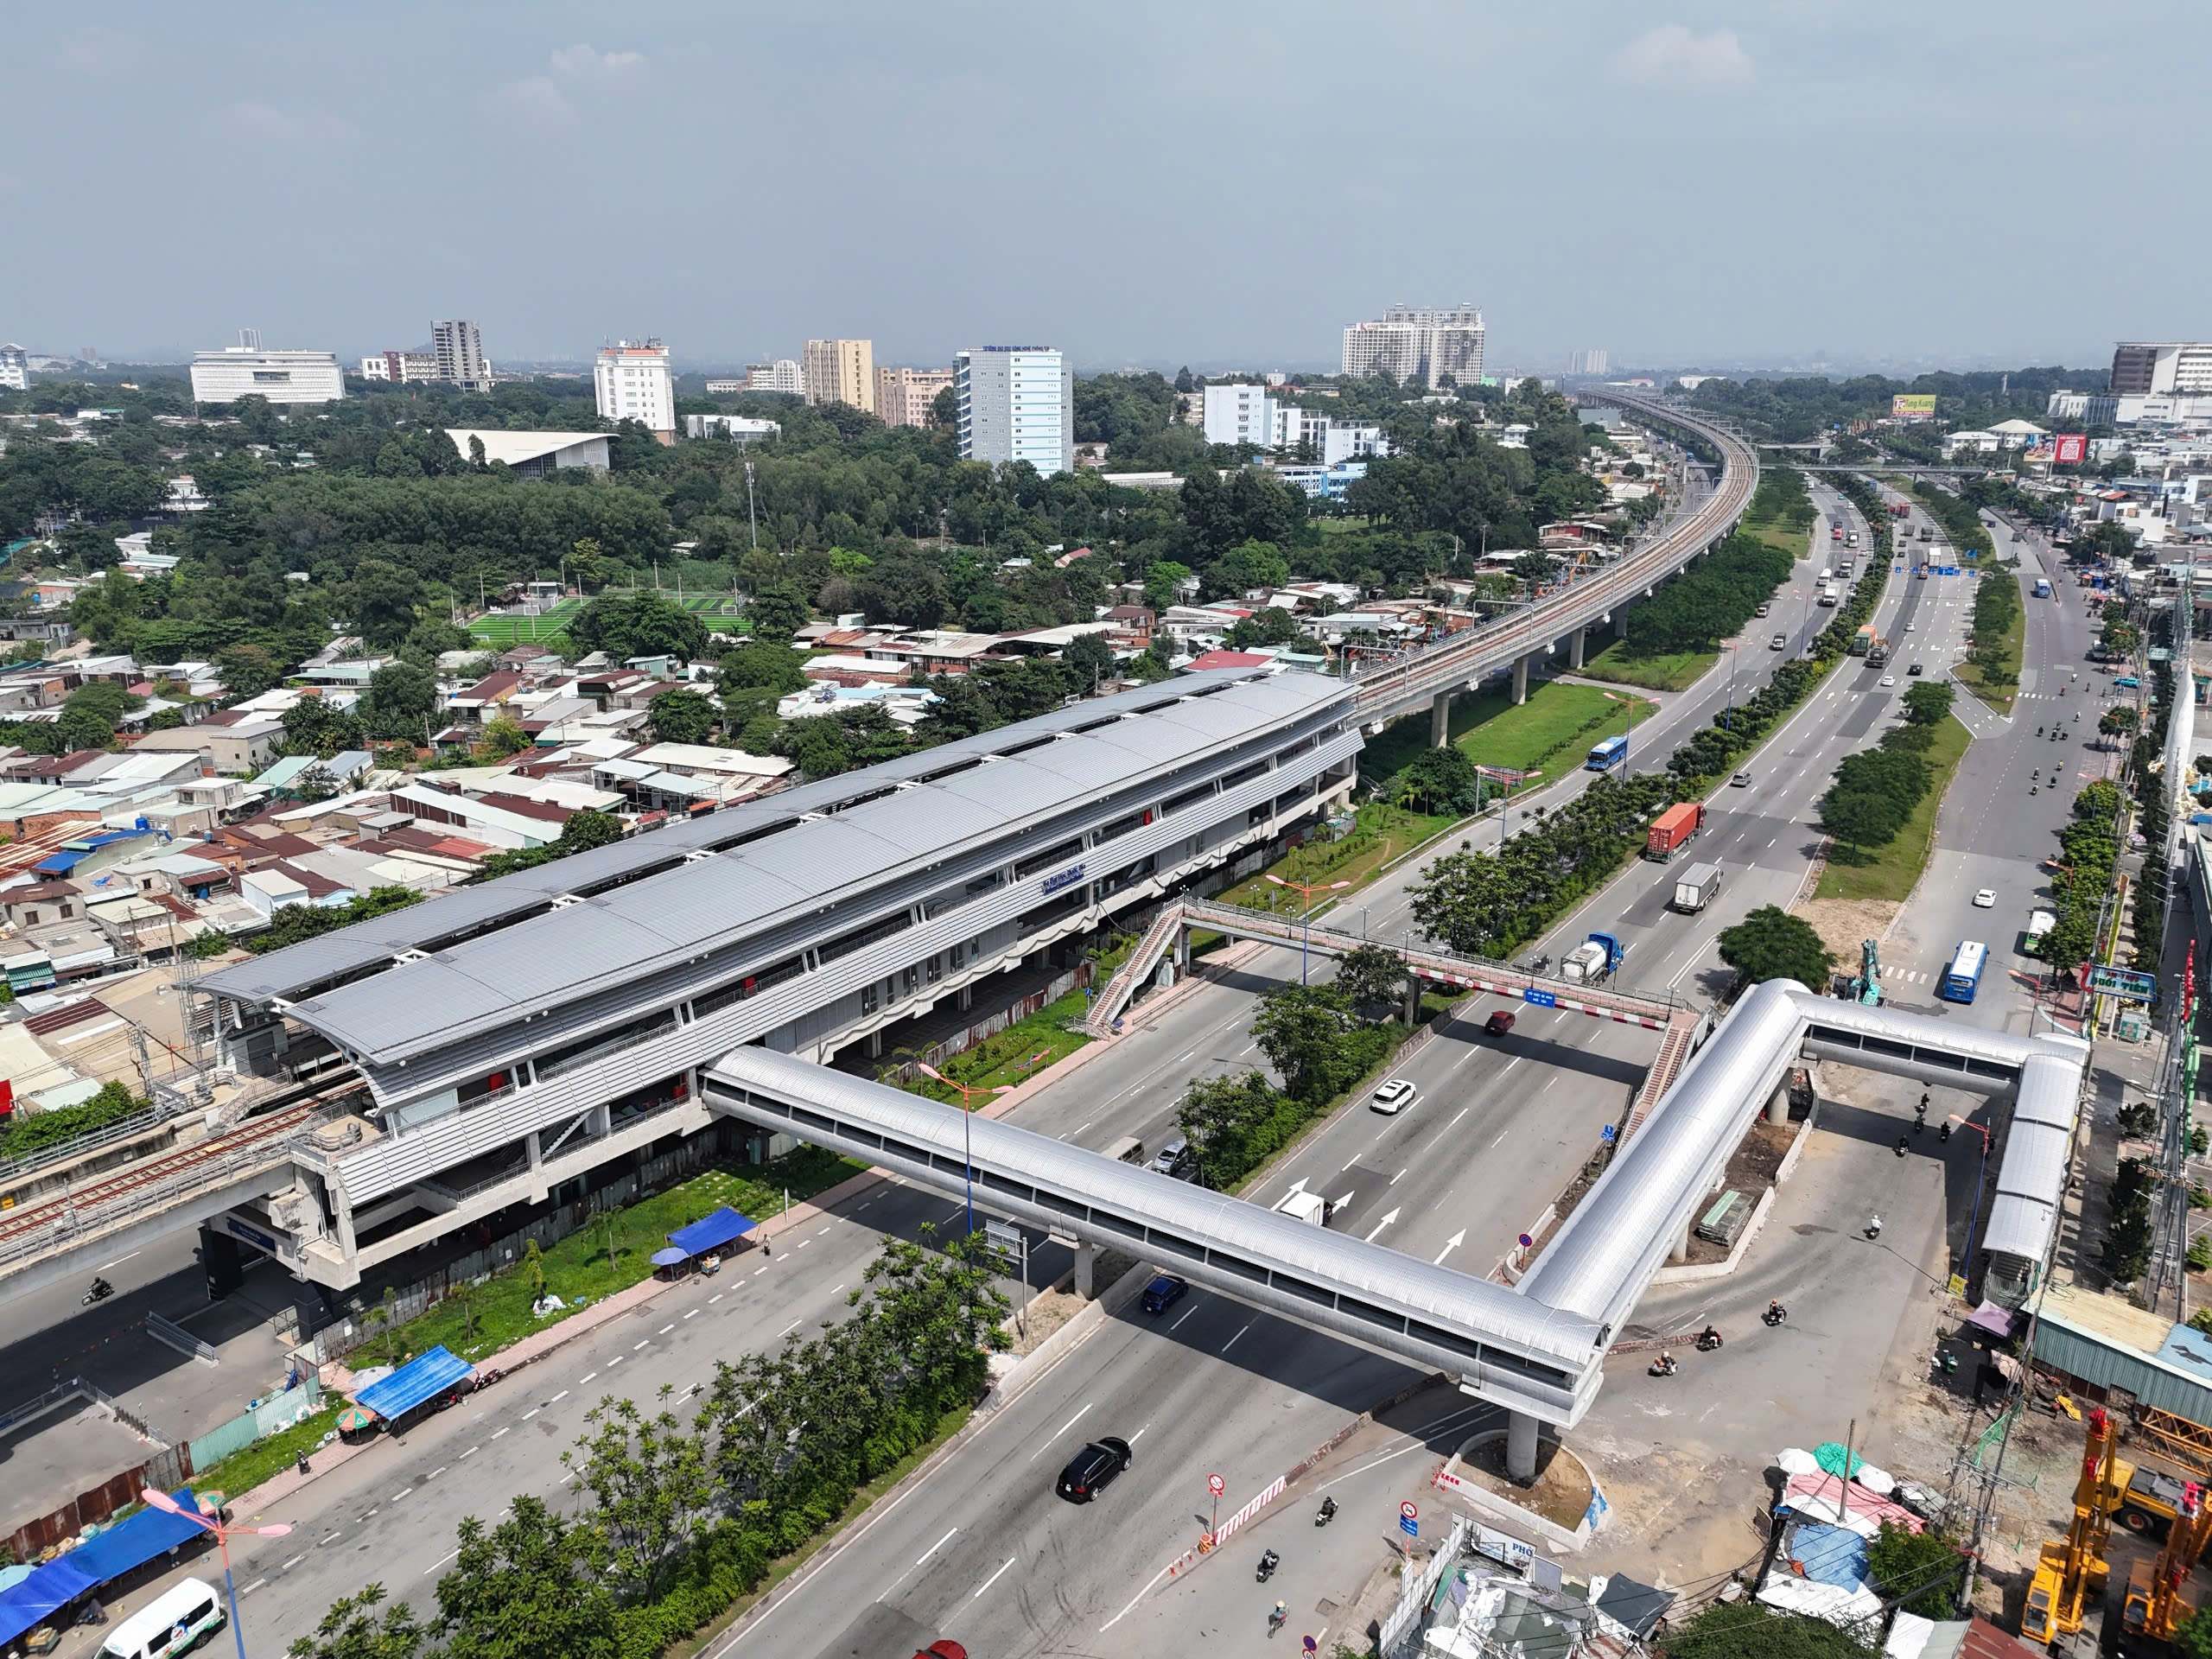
(1394, 1096)
(1985, 899)
(1889, 680)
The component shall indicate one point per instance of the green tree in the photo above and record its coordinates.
(400, 703)
(2194, 1639)
(638, 622)
(381, 601)
(1438, 780)
(248, 670)
(1928, 703)
(1751, 1630)
(1163, 583)
(762, 667)
(1921, 1572)
(503, 737)
(1771, 943)
(292, 923)
(1302, 1029)
(1372, 976)
(647, 1477)
(1089, 661)
(776, 612)
(355, 1628)
(681, 715)
(1217, 1117)
(314, 726)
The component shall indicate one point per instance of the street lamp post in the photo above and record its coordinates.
(1306, 892)
(160, 1500)
(1980, 1178)
(967, 1142)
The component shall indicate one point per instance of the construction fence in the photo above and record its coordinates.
(271, 1416)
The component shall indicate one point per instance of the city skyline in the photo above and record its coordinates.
(1675, 280)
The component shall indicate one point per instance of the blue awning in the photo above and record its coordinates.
(705, 1234)
(37, 1598)
(418, 1382)
(132, 1543)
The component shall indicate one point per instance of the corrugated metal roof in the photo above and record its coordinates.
(715, 903)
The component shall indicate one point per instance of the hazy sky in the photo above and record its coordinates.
(1214, 183)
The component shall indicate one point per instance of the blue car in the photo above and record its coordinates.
(1163, 1294)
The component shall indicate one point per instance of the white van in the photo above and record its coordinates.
(178, 1620)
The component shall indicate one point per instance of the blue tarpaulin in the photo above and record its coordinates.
(134, 1542)
(417, 1382)
(37, 1598)
(707, 1234)
(1829, 1554)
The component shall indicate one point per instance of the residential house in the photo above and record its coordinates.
(233, 744)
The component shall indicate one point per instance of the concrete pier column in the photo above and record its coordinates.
(1574, 648)
(532, 1146)
(1086, 1267)
(344, 1211)
(1680, 1251)
(1439, 719)
(964, 998)
(1620, 623)
(1777, 1107)
(1413, 1000)
(1521, 677)
(876, 1044)
(1521, 1445)
(1182, 951)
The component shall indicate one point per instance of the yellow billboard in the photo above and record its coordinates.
(1913, 406)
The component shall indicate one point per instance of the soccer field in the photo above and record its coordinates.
(504, 631)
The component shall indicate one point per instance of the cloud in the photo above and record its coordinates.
(309, 129)
(535, 99)
(588, 63)
(1671, 56)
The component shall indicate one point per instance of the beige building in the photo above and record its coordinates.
(903, 397)
(841, 371)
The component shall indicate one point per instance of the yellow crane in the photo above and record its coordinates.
(2070, 1572)
(2156, 1607)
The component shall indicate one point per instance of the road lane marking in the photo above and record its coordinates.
(757, 1272)
(497, 1433)
(465, 1456)
(635, 1346)
(1456, 1117)
(665, 1329)
(403, 1491)
(249, 1589)
(1186, 1314)
(994, 1578)
(934, 1547)
(1394, 1180)
(792, 1326)
(117, 1263)
(834, 1289)
(1501, 1135)
(617, 1360)
(803, 1244)
(691, 1314)
(1231, 1343)
(822, 1229)
(531, 1412)
(716, 1297)
(585, 1378)
(1061, 1430)
(435, 1473)
(297, 1559)
(370, 1515)
(558, 1398)
(440, 1562)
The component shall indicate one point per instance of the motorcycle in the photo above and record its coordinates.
(1774, 1315)
(1708, 1339)
(100, 1292)
(1327, 1513)
(1662, 1366)
(1268, 1561)
(2032, 789)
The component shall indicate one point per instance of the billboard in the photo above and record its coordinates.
(2067, 449)
(1913, 406)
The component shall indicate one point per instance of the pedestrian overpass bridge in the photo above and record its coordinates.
(1536, 1348)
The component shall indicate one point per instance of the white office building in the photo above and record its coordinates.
(397, 368)
(1016, 402)
(2090, 408)
(459, 349)
(1240, 413)
(2140, 367)
(225, 375)
(632, 382)
(737, 429)
(784, 375)
(1416, 344)
(15, 369)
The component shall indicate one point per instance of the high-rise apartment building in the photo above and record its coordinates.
(1590, 362)
(1016, 402)
(784, 375)
(15, 368)
(841, 372)
(631, 380)
(1241, 413)
(459, 352)
(225, 375)
(2144, 367)
(905, 397)
(1414, 343)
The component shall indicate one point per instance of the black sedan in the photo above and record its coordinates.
(1093, 1469)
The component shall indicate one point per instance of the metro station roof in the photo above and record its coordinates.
(493, 950)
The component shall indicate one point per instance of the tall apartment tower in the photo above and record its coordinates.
(2141, 368)
(631, 380)
(459, 350)
(905, 397)
(1413, 343)
(15, 368)
(841, 371)
(1016, 402)
(1590, 362)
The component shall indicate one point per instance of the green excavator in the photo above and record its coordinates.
(1866, 984)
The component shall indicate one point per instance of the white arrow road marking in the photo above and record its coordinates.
(1449, 1245)
(1380, 1224)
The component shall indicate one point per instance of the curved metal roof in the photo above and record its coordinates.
(1351, 1265)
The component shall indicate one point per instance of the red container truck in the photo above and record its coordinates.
(1673, 830)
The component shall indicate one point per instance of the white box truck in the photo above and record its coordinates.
(1830, 593)
(1309, 1207)
(1694, 887)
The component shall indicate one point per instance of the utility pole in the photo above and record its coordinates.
(751, 517)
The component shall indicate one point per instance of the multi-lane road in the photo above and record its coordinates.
(982, 1551)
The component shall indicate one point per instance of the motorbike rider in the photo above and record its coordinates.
(1775, 1313)
(1708, 1338)
(101, 1289)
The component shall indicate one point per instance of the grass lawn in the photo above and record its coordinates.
(1384, 832)
(505, 631)
(246, 1469)
(1339, 526)
(2001, 694)
(1890, 871)
(577, 1269)
(1797, 543)
(1549, 732)
(1010, 1057)
(1674, 670)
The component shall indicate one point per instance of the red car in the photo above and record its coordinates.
(1499, 1023)
(947, 1648)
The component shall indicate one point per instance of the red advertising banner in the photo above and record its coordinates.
(2069, 448)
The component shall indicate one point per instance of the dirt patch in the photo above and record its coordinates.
(1752, 1169)
(1561, 1492)
(1049, 1310)
(1844, 923)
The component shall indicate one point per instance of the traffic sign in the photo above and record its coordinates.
(1409, 1511)
(1526, 1243)
(1216, 1485)
(1410, 1527)
(1607, 1133)
(1541, 998)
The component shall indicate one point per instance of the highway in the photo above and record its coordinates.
(984, 1550)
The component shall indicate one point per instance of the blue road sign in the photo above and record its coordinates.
(1606, 1134)
(1541, 998)
(1409, 1526)
(1946, 569)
